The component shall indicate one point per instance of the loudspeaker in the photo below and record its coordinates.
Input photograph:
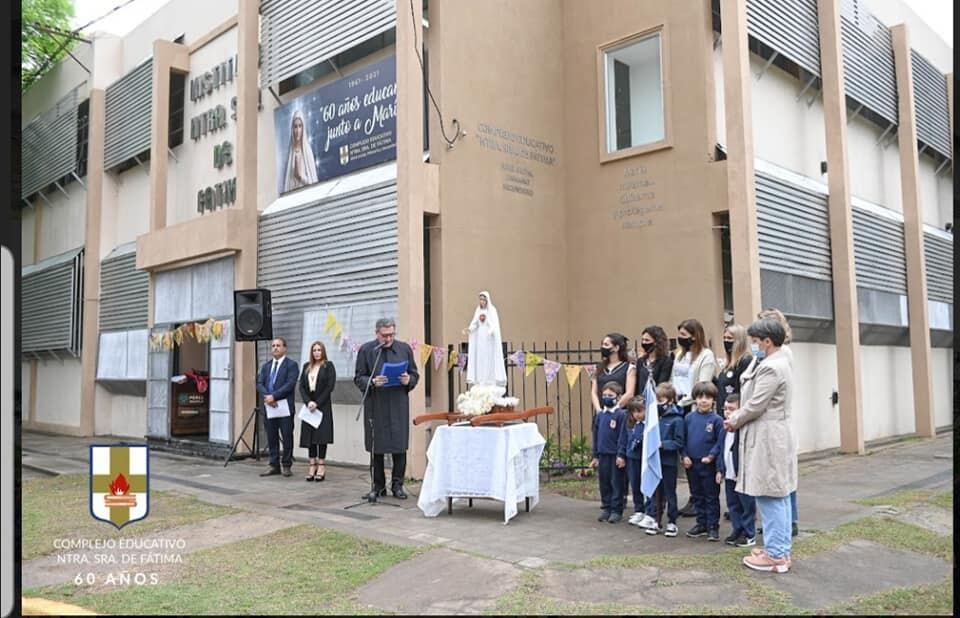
(252, 317)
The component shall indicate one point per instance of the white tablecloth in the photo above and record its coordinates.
(483, 462)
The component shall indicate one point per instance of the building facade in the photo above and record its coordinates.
(597, 167)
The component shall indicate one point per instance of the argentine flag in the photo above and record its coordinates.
(650, 473)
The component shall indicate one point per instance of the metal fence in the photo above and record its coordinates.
(568, 430)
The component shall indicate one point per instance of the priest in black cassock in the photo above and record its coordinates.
(386, 410)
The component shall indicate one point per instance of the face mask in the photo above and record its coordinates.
(756, 351)
(608, 402)
(684, 342)
(728, 346)
(648, 347)
(662, 407)
(606, 352)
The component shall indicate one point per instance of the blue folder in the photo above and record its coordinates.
(393, 372)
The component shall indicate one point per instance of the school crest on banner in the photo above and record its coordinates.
(119, 483)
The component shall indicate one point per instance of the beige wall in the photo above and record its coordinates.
(507, 243)
(874, 171)
(63, 221)
(28, 222)
(131, 215)
(936, 199)
(57, 82)
(120, 415)
(887, 392)
(690, 189)
(58, 390)
(815, 419)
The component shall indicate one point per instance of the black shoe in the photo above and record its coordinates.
(376, 493)
(697, 531)
(397, 489)
(732, 539)
(287, 472)
(270, 471)
(614, 518)
(604, 516)
(794, 529)
(713, 534)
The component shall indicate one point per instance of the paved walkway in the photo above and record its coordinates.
(559, 531)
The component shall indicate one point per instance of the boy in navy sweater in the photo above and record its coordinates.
(607, 426)
(700, 454)
(672, 438)
(743, 508)
(630, 453)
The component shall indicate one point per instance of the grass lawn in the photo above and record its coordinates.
(300, 570)
(59, 507)
(934, 599)
(581, 489)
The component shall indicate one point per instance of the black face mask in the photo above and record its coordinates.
(728, 346)
(648, 347)
(684, 342)
(662, 407)
(606, 352)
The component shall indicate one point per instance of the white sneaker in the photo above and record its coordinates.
(635, 518)
(652, 530)
(671, 530)
(647, 522)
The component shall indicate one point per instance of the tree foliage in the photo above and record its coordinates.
(40, 49)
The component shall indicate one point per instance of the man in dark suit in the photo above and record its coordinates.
(386, 409)
(277, 381)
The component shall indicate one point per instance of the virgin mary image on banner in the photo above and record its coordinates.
(301, 169)
(485, 351)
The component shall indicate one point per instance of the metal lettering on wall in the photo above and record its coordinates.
(211, 121)
(637, 199)
(517, 178)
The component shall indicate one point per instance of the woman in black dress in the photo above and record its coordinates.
(737, 346)
(316, 384)
(654, 359)
(613, 367)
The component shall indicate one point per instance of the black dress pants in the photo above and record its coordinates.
(277, 429)
(396, 474)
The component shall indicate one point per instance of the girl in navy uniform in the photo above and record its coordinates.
(607, 426)
(672, 438)
(630, 453)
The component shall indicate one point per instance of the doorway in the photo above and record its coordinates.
(190, 394)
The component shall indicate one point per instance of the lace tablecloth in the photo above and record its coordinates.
(483, 462)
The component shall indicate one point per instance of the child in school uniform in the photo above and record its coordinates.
(742, 508)
(672, 438)
(700, 455)
(630, 454)
(607, 426)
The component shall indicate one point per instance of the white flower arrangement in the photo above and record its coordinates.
(481, 398)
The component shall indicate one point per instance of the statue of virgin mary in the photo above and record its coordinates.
(485, 352)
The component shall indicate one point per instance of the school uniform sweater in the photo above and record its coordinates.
(703, 436)
(673, 434)
(631, 442)
(607, 426)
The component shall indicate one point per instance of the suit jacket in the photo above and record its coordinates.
(662, 369)
(284, 385)
(326, 380)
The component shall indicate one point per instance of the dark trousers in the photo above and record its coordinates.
(317, 450)
(611, 484)
(396, 473)
(706, 494)
(280, 429)
(743, 510)
(668, 493)
(634, 467)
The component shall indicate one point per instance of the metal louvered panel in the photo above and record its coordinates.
(788, 26)
(793, 229)
(51, 305)
(869, 73)
(938, 257)
(129, 102)
(298, 34)
(49, 146)
(931, 106)
(123, 294)
(878, 252)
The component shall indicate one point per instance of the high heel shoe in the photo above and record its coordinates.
(320, 475)
(313, 471)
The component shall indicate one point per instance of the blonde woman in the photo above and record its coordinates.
(737, 346)
(317, 380)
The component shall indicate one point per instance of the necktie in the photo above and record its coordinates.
(273, 374)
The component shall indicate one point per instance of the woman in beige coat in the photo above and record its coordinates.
(768, 452)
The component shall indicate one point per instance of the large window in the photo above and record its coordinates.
(633, 93)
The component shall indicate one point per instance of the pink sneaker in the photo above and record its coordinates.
(766, 562)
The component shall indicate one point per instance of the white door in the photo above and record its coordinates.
(221, 386)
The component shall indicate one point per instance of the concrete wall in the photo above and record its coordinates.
(922, 37)
(57, 82)
(816, 420)
(28, 222)
(130, 215)
(614, 227)
(347, 444)
(887, 391)
(936, 193)
(58, 392)
(25, 387)
(943, 385)
(120, 415)
(874, 171)
(63, 221)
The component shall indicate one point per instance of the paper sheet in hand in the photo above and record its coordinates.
(281, 410)
(393, 371)
(311, 417)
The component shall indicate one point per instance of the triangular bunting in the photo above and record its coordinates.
(551, 369)
(413, 345)
(330, 323)
(337, 331)
(462, 361)
(425, 351)
(452, 359)
(518, 358)
(573, 372)
(438, 355)
(530, 363)
(591, 370)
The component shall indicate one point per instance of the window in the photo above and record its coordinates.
(633, 93)
(178, 83)
(83, 132)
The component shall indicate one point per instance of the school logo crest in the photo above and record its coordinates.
(119, 483)
(344, 154)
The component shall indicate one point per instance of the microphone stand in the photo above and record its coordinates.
(370, 498)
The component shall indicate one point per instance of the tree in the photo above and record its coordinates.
(39, 47)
